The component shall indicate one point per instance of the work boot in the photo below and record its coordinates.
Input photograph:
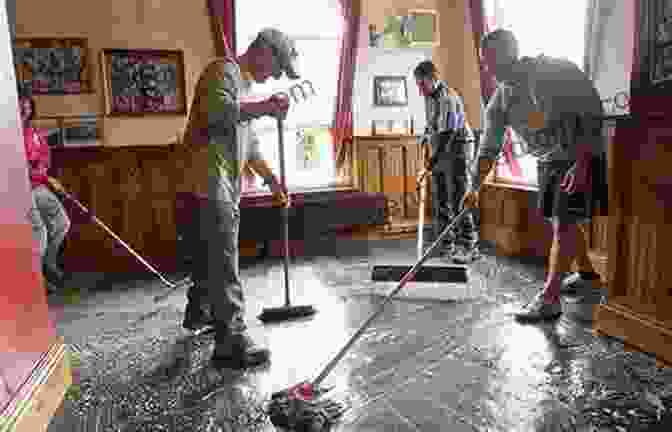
(466, 255)
(238, 352)
(197, 320)
(540, 310)
(577, 283)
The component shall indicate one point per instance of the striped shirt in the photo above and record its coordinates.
(444, 110)
(551, 104)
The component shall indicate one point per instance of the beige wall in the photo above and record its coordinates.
(137, 24)
(455, 56)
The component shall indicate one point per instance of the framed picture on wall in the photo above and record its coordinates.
(423, 28)
(53, 66)
(82, 131)
(390, 91)
(143, 82)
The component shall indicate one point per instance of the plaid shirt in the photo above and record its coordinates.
(38, 155)
(444, 111)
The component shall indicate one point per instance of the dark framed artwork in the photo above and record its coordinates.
(82, 131)
(79, 131)
(141, 82)
(390, 91)
(53, 66)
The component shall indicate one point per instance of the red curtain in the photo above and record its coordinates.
(342, 130)
(223, 13)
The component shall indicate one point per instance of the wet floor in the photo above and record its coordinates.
(458, 364)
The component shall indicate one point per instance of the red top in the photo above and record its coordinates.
(38, 154)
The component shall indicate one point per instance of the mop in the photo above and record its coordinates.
(430, 273)
(288, 311)
(171, 285)
(302, 407)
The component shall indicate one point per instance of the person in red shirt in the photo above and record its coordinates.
(50, 221)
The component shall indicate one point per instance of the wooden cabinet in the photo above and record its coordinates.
(132, 191)
(639, 307)
(389, 164)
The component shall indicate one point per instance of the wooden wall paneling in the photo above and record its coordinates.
(618, 241)
(413, 165)
(373, 169)
(393, 178)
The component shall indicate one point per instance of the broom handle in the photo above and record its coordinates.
(285, 208)
(407, 277)
(421, 219)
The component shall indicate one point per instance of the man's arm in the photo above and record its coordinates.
(255, 159)
(492, 140)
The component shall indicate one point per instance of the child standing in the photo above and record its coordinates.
(449, 143)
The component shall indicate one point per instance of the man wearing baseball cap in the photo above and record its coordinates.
(219, 129)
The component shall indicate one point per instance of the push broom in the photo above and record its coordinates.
(171, 285)
(288, 311)
(301, 407)
(431, 273)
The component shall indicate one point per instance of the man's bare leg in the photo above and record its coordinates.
(563, 250)
(582, 261)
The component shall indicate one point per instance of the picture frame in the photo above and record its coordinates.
(144, 82)
(77, 131)
(84, 131)
(424, 29)
(390, 91)
(52, 66)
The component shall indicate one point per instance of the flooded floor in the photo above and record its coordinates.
(459, 364)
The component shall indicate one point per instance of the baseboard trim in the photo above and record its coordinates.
(621, 319)
(35, 402)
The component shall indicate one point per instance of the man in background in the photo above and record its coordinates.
(219, 124)
(449, 145)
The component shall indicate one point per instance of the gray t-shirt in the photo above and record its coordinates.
(215, 118)
(558, 90)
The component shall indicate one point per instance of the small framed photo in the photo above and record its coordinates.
(83, 131)
(390, 91)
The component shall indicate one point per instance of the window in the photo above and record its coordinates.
(562, 34)
(315, 25)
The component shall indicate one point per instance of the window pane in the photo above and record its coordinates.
(307, 162)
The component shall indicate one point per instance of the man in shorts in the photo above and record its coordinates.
(556, 109)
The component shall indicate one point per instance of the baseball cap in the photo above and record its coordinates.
(284, 48)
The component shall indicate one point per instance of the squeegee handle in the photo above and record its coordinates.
(407, 277)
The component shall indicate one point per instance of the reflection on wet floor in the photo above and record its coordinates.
(461, 365)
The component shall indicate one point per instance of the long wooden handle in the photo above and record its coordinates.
(421, 216)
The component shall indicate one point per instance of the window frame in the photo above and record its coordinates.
(291, 128)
